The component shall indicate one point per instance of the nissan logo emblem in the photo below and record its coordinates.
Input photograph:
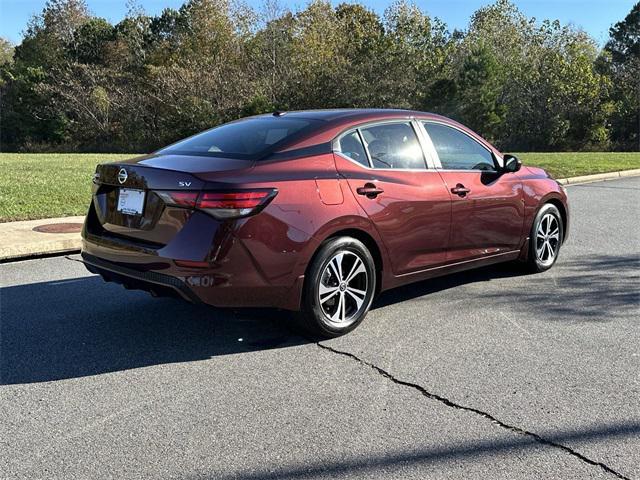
(122, 175)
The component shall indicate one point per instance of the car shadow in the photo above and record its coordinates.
(582, 288)
(446, 282)
(82, 326)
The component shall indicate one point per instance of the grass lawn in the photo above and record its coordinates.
(56, 185)
(567, 165)
(47, 185)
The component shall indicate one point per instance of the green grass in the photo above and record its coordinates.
(47, 185)
(56, 185)
(567, 165)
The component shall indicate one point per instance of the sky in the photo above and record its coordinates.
(594, 16)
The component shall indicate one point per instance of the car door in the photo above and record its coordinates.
(487, 204)
(385, 167)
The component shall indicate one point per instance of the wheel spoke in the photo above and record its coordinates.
(338, 261)
(357, 269)
(359, 301)
(356, 291)
(336, 315)
(336, 270)
(327, 292)
(543, 251)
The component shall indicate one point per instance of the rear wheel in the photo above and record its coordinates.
(339, 287)
(546, 238)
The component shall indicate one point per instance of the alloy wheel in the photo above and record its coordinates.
(342, 289)
(547, 239)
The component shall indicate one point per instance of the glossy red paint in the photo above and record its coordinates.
(412, 215)
(419, 224)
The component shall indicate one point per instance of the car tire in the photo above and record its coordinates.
(547, 235)
(339, 287)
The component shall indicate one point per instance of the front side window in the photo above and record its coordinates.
(458, 151)
(393, 145)
(351, 146)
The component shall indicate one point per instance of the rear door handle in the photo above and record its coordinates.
(369, 190)
(460, 189)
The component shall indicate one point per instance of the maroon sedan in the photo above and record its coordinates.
(318, 211)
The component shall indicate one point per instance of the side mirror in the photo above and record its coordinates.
(511, 164)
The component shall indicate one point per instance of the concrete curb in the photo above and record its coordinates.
(18, 241)
(599, 176)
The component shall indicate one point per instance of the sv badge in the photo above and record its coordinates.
(184, 184)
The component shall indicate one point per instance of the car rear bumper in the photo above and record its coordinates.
(239, 286)
(214, 267)
(158, 284)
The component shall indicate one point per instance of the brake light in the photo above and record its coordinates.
(234, 204)
(222, 204)
(179, 199)
(235, 200)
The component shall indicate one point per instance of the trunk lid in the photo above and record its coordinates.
(151, 221)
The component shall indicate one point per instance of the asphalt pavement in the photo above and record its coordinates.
(483, 374)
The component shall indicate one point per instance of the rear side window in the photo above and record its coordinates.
(351, 146)
(248, 138)
(393, 145)
(458, 151)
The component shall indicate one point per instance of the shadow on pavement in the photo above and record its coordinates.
(438, 284)
(592, 288)
(79, 327)
(402, 460)
(584, 288)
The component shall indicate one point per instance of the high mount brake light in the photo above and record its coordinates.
(222, 204)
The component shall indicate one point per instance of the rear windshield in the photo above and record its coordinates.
(250, 138)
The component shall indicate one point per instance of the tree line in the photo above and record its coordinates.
(79, 83)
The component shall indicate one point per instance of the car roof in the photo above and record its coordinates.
(331, 122)
(346, 115)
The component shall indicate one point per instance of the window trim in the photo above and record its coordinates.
(335, 147)
(497, 160)
(429, 164)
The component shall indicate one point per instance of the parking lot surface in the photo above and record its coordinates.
(484, 374)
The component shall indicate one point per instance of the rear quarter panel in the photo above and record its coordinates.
(312, 203)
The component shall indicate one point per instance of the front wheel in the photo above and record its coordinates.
(547, 234)
(339, 288)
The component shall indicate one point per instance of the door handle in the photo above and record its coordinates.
(460, 189)
(369, 190)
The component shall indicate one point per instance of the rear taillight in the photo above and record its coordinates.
(222, 204)
(179, 199)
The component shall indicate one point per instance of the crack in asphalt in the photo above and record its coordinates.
(488, 416)
(451, 404)
(68, 257)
